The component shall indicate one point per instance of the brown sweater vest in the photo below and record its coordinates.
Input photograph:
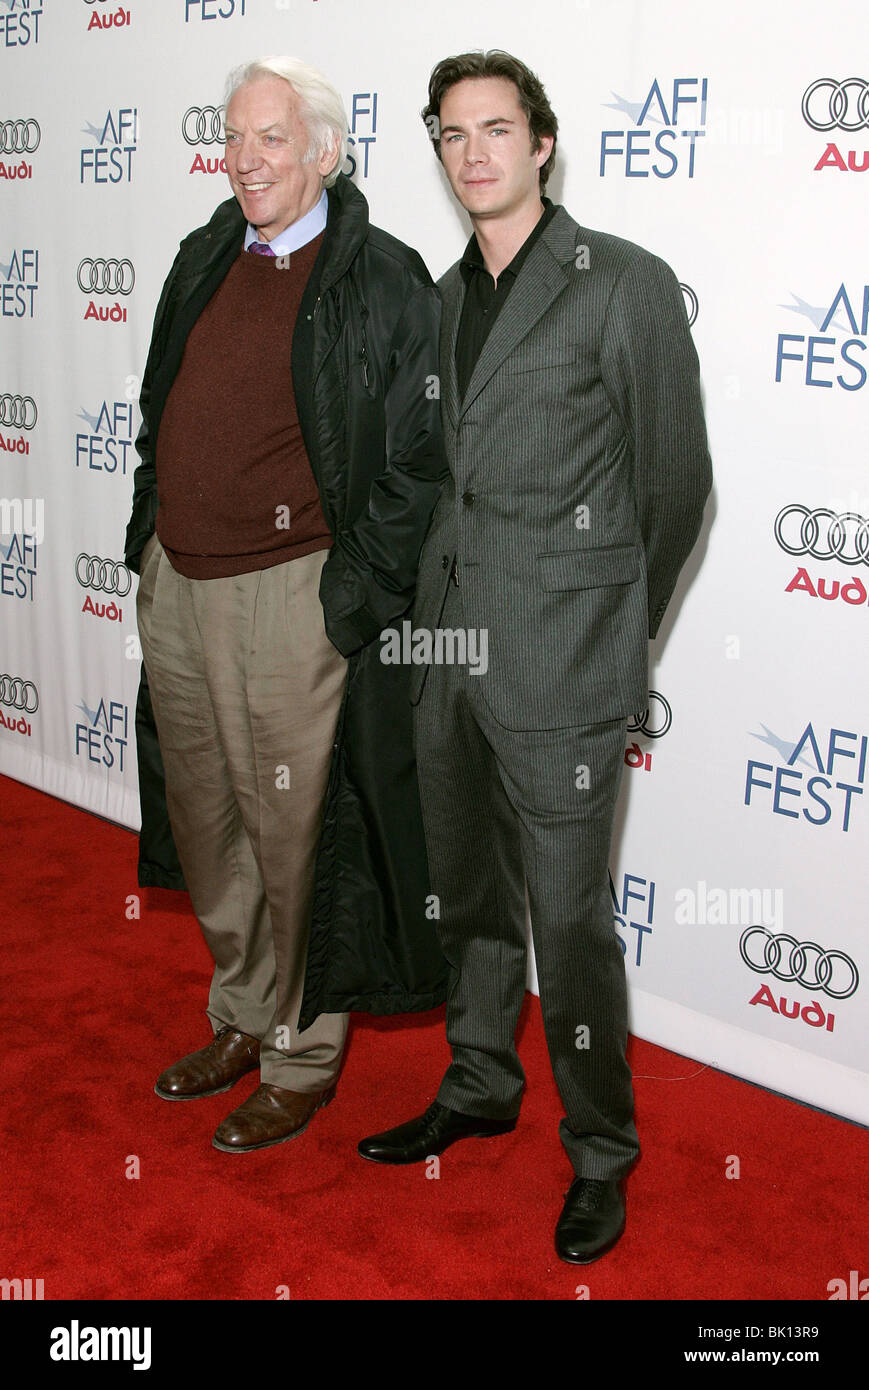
(234, 483)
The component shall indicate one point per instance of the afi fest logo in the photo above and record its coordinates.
(816, 780)
(667, 123)
(633, 910)
(839, 341)
(110, 160)
(106, 276)
(19, 282)
(19, 26)
(654, 722)
(203, 125)
(839, 109)
(103, 447)
(213, 9)
(363, 133)
(18, 561)
(101, 736)
(18, 138)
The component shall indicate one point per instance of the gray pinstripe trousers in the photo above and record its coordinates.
(502, 809)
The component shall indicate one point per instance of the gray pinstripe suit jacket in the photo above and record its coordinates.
(585, 395)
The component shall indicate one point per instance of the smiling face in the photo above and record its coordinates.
(266, 142)
(486, 148)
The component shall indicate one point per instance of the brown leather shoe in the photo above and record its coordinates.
(270, 1115)
(212, 1069)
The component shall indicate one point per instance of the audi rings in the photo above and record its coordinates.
(655, 719)
(843, 532)
(106, 277)
(19, 694)
(830, 114)
(107, 576)
(19, 137)
(18, 412)
(814, 974)
(203, 125)
(692, 303)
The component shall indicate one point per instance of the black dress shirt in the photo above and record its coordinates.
(484, 300)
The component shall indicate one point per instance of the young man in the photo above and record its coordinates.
(575, 437)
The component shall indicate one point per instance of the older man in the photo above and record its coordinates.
(291, 459)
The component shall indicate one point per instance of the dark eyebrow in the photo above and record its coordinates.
(481, 125)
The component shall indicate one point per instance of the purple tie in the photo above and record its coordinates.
(261, 248)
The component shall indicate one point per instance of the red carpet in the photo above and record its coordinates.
(96, 1005)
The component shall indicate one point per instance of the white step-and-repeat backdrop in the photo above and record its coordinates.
(731, 141)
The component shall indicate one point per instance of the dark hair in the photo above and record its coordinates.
(532, 97)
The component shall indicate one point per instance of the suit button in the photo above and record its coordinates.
(469, 498)
(445, 562)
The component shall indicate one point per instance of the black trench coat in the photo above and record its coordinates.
(364, 364)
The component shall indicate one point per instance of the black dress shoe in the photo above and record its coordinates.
(429, 1134)
(592, 1220)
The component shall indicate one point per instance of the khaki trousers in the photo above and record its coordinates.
(246, 689)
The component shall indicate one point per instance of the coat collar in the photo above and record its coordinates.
(346, 230)
(544, 275)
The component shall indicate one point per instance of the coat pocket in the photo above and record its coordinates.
(589, 569)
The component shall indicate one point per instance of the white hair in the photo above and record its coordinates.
(320, 106)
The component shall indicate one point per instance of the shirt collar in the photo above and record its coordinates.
(473, 257)
(298, 234)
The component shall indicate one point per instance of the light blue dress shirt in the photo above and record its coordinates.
(298, 234)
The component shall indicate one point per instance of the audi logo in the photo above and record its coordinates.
(828, 104)
(19, 694)
(19, 137)
(655, 719)
(106, 277)
(691, 303)
(203, 125)
(823, 534)
(107, 576)
(816, 973)
(18, 412)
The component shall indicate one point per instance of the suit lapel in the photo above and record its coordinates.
(452, 292)
(540, 281)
